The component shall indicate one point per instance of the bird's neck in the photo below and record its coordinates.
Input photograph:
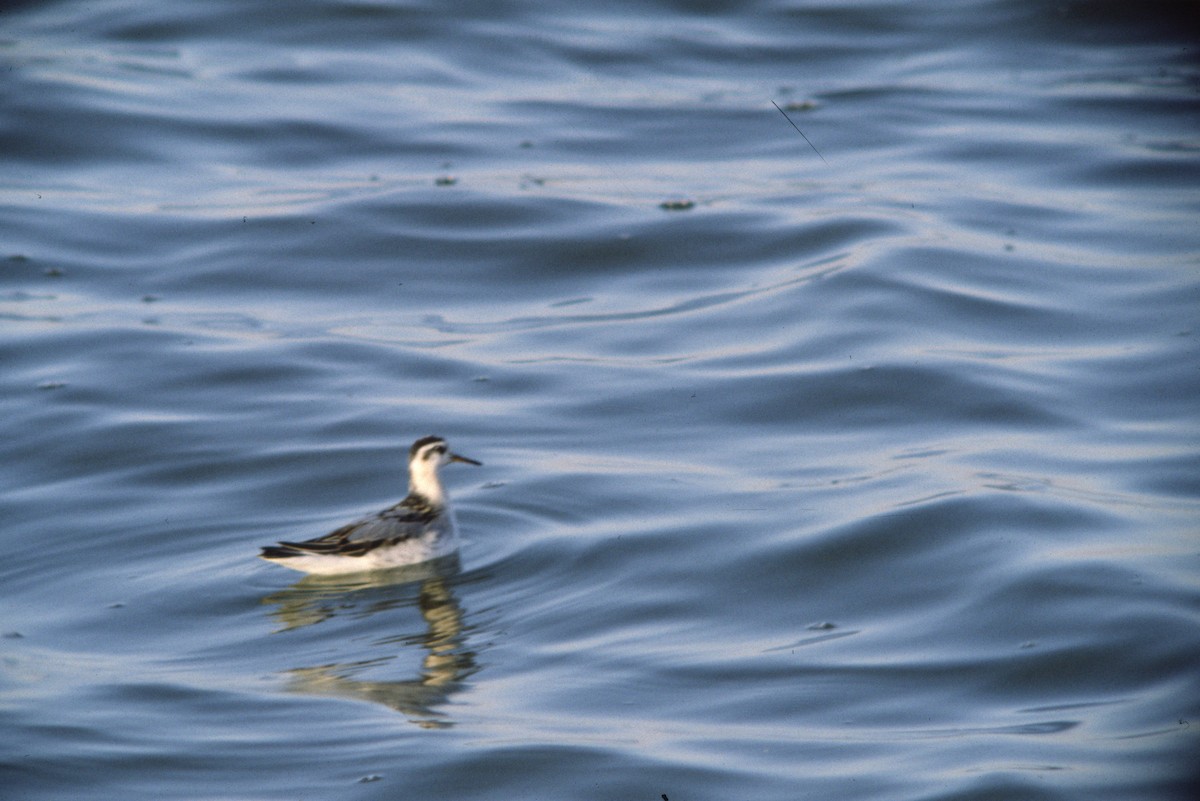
(423, 480)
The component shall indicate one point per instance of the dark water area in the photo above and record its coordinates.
(856, 463)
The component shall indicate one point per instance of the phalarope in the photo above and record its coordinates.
(418, 529)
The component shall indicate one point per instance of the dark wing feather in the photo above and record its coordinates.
(394, 524)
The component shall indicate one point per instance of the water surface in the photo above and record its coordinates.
(865, 474)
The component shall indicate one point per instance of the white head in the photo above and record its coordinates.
(424, 458)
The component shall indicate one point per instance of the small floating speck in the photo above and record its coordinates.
(19, 258)
(801, 105)
(677, 205)
(52, 385)
(481, 379)
(149, 298)
(374, 777)
(526, 143)
(445, 180)
(824, 625)
(494, 484)
(13, 635)
(53, 272)
(117, 605)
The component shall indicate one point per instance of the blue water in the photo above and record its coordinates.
(868, 469)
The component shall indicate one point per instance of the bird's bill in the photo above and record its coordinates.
(454, 457)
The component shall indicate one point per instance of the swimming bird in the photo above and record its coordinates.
(418, 529)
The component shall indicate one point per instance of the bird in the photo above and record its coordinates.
(418, 529)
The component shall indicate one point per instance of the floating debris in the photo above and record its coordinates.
(797, 127)
(677, 205)
(445, 180)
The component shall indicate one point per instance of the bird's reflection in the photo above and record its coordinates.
(444, 667)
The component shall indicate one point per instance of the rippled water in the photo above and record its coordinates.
(862, 470)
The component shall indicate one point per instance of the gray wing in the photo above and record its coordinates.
(392, 525)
